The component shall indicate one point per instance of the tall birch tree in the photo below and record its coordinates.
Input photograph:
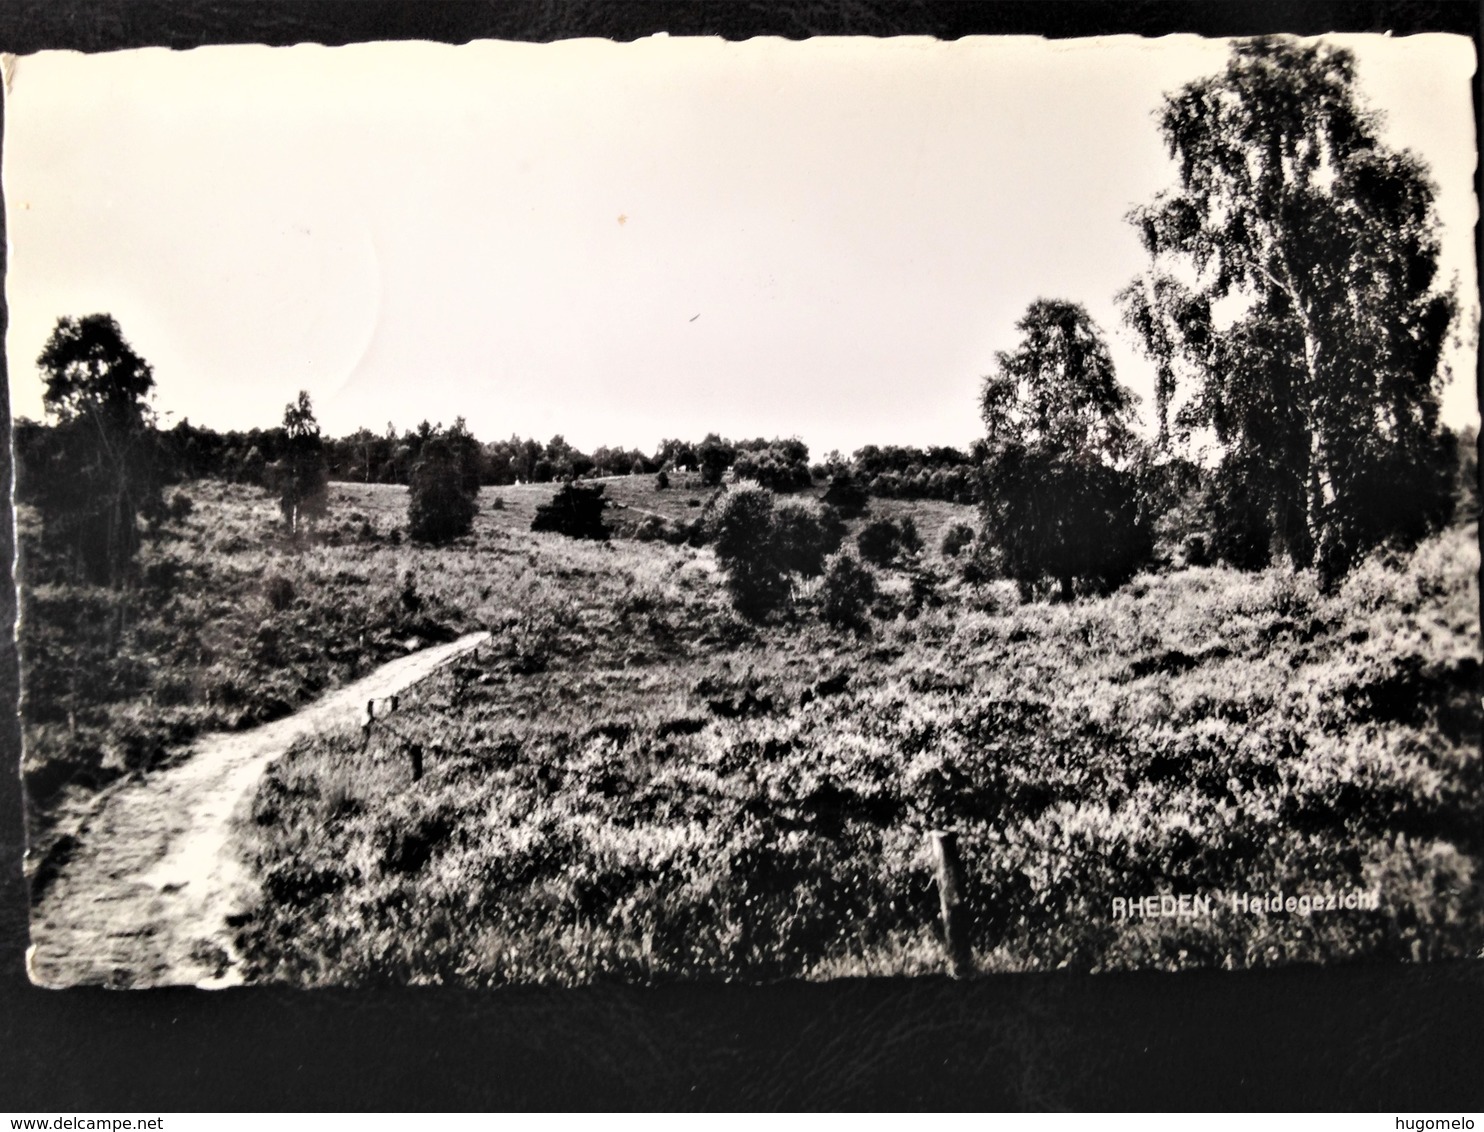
(1292, 287)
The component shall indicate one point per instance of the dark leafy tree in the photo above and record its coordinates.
(1292, 287)
(301, 476)
(746, 546)
(879, 541)
(676, 454)
(440, 502)
(98, 472)
(576, 510)
(564, 461)
(715, 456)
(1238, 527)
(848, 591)
(908, 540)
(1467, 489)
(803, 535)
(467, 453)
(846, 494)
(1049, 516)
(1059, 499)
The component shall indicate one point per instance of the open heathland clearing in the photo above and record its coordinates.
(632, 782)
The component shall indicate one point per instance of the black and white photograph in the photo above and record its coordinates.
(684, 511)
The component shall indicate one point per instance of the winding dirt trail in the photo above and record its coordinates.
(144, 899)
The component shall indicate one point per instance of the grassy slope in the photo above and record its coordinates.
(226, 626)
(595, 805)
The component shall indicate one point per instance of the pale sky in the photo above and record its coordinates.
(621, 242)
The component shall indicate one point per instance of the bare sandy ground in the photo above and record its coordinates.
(144, 898)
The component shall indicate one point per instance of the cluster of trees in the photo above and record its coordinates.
(187, 452)
(102, 465)
(894, 472)
(1323, 387)
(1291, 309)
(764, 542)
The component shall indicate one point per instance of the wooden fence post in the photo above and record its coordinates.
(950, 898)
(416, 751)
(366, 717)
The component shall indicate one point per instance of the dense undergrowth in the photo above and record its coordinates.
(635, 784)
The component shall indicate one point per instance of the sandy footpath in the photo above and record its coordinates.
(144, 898)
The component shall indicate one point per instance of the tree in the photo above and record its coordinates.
(879, 541)
(715, 456)
(468, 454)
(804, 534)
(440, 501)
(100, 472)
(1059, 499)
(846, 494)
(746, 545)
(1292, 284)
(779, 465)
(955, 538)
(848, 590)
(301, 476)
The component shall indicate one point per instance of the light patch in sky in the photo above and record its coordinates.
(623, 242)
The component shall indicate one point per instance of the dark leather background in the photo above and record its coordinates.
(1399, 1038)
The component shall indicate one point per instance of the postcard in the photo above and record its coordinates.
(693, 510)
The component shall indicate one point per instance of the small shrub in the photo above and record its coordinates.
(181, 506)
(976, 568)
(279, 591)
(497, 503)
(651, 527)
(908, 540)
(926, 592)
(955, 539)
(848, 590)
(575, 511)
(1196, 551)
(879, 541)
(662, 481)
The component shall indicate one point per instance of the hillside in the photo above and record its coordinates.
(636, 784)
